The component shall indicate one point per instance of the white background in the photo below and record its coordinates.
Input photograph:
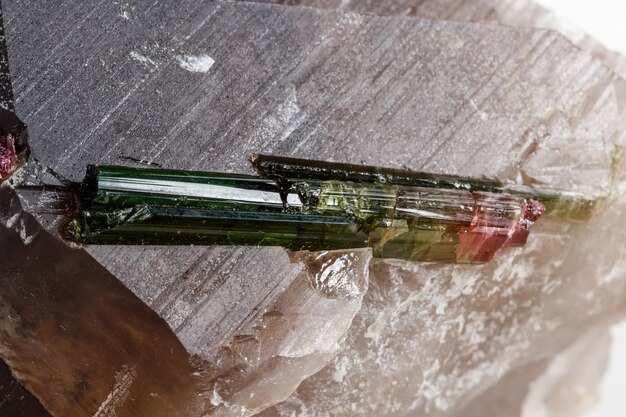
(605, 20)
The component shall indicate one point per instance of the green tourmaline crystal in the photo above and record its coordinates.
(295, 171)
(153, 206)
(309, 205)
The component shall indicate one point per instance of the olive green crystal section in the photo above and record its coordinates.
(311, 205)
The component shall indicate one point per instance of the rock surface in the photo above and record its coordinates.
(162, 83)
(509, 12)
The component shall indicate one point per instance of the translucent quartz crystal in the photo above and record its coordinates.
(83, 331)
(509, 12)
(292, 340)
(402, 215)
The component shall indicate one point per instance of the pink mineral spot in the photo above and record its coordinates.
(480, 244)
(487, 234)
(14, 148)
(8, 157)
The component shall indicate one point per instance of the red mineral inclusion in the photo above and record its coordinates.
(487, 233)
(9, 160)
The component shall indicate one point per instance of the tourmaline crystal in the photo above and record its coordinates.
(151, 206)
(298, 174)
(307, 205)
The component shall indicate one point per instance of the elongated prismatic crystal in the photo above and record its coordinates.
(310, 205)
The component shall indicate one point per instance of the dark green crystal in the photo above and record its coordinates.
(164, 207)
(183, 225)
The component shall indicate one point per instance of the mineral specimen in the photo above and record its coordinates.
(6, 87)
(55, 298)
(525, 13)
(99, 83)
(304, 177)
(15, 400)
(141, 206)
